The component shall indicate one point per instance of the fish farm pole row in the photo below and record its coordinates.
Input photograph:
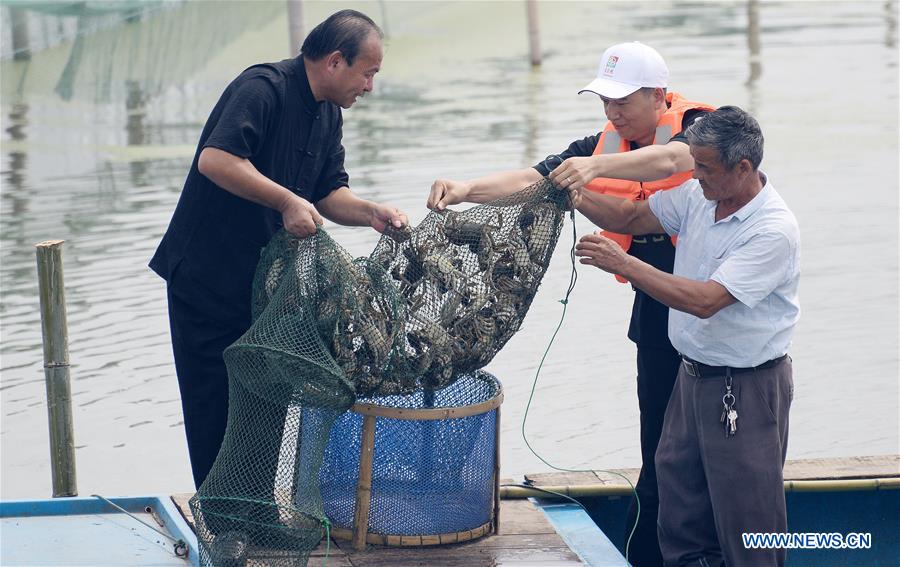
(295, 28)
(56, 367)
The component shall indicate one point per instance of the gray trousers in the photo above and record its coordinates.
(713, 488)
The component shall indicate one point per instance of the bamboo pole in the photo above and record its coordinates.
(295, 25)
(364, 484)
(496, 519)
(56, 367)
(424, 414)
(384, 19)
(589, 490)
(534, 39)
(415, 540)
(753, 42)
(18, 21)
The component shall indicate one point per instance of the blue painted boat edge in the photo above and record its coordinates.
(172, 517)
(581, 534)
(162, 504)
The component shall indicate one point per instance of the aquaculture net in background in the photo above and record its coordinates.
(430, 304)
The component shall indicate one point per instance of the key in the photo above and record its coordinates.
(727, 404)
(723, 418)
(732, 421)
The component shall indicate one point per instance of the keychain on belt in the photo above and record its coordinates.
(729, 413)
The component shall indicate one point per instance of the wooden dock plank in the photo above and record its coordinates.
(875, 466)
(458, 556)
(583, 478)
(520, 517)
(181, 502)
(332, 561)
(333, 551)
(526, 538)
(313, 561)
(539, 549)
(842, 468)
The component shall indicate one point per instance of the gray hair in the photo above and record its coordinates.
(732, 132)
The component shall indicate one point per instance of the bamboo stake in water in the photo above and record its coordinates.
(56, 367)
(534, 40)
(18, 21)
(295, 25)
(753, 41)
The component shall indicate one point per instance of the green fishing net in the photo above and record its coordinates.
(430, 304)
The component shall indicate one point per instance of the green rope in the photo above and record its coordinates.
(565, 303)
(327, 525)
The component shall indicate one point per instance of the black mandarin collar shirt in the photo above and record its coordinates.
(306, 94)
(269, 116)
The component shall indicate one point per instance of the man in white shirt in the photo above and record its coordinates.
(734, 307)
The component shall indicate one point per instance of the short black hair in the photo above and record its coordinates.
(343, 31)
(732, 132)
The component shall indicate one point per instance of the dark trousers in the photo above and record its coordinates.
(197, 343)
(202, 326)
(713, 488)
(657, 368)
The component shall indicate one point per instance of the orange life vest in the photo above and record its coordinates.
(611, 142)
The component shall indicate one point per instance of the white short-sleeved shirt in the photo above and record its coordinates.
(755, 254)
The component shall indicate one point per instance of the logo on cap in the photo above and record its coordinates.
(610, 65)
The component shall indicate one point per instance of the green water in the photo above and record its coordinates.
(98, 135)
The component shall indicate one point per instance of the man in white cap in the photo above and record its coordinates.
(641, 150)
(735, 306)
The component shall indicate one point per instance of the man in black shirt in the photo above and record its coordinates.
(270, 155)
(641, 150)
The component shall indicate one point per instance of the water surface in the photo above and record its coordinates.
(98, 135)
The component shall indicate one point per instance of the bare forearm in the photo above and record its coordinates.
(619, 215)
(239, 177)
(649, 163)
(501, 184)
(607, 212)
(701, 299)
(343, 207)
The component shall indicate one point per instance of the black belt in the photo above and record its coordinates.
(700, 370)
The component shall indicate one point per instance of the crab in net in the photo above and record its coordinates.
(436, 300)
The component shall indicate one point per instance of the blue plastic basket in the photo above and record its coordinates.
(433, 471)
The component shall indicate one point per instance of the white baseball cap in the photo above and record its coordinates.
(626, 67)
